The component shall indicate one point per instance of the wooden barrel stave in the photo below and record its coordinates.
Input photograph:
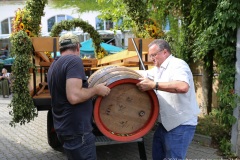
(100, 76)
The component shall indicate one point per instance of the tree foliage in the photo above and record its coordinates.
(136, 16)
(207, 32)
(80, 5)
(213, 27)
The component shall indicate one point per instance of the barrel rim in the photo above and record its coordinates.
(137, 134)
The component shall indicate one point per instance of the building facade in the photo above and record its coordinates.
(55, 15)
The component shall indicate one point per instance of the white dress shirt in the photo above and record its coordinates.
(176, 108)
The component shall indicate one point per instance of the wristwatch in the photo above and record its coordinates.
(156, 87)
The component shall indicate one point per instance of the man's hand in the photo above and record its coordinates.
(102, 89)
(145, 84)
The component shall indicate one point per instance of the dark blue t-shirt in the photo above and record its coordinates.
(68, 119)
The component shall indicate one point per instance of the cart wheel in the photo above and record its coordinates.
(51, 134)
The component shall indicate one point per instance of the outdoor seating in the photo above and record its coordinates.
(4, 54)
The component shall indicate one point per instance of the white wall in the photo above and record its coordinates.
(8, 10)
(49, 12)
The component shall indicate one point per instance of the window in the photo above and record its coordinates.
(99, 24)
(106, 24)
(51, 22)
(109, 25)
(6, 26)
(56, 19)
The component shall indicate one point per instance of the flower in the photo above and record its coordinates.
(153, 29)
(23, 21)
(21, 26)
(101, 52)
(48, 54)
(28, 32)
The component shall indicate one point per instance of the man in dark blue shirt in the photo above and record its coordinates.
(71, 100)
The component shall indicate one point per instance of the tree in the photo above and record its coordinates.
(203, 14)
(207, 33)
(134, 18)
(80, 5)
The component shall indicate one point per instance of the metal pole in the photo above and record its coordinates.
(140, 59)
(55, 47)
(140, 52)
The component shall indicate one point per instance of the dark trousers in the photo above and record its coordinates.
(79, 147)
(4, 88)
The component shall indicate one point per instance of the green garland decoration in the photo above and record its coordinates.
(26, 24)
(86, 27)
(36, 9)
(23, 109)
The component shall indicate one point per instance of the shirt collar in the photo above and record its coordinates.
(166, 62)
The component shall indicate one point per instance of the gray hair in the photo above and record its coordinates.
(162, 44)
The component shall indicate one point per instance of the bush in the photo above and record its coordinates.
(209, 125)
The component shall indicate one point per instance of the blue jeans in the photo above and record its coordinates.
(79, 147)
(172, 144)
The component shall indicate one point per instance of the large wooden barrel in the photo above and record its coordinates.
(127, 113)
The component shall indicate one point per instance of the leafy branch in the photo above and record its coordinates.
(86, 27)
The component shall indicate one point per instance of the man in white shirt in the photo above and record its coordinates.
(173, 81)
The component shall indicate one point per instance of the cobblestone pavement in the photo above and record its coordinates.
(29, 142)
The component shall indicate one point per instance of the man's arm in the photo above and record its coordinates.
(173, 86)
(77, 94)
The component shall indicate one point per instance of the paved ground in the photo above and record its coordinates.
(29, 142)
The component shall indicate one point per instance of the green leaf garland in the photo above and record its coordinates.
(23, 109)
(26, 24)
(86, 27)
